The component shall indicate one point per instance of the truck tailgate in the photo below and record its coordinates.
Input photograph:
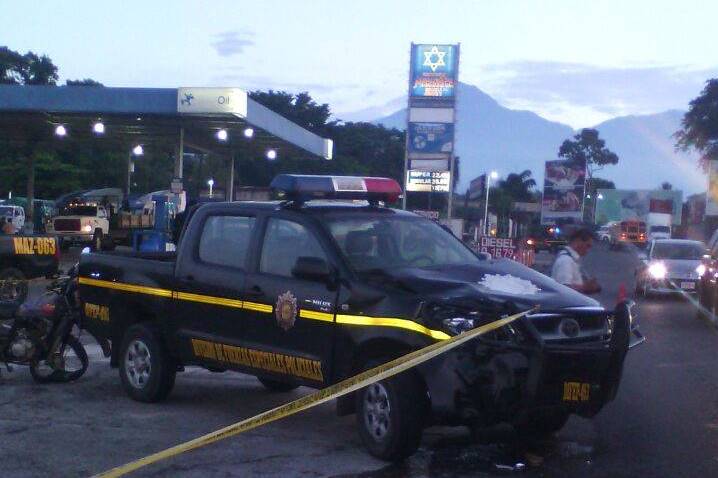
(114, 284)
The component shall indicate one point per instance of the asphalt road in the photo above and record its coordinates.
(664, 421)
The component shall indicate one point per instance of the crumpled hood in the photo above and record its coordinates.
(496, 280)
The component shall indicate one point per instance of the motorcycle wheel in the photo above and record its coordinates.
(73, 364)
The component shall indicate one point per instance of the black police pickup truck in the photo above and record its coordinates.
(309, 291)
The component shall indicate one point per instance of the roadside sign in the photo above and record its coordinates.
(498, 246)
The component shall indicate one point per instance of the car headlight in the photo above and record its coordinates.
(700, 270)
(458, 325)
(87, 228)
(657, 270)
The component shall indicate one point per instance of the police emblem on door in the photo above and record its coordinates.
(286, 310)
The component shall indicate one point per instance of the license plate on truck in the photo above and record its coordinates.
(688, 285)
(576, 392)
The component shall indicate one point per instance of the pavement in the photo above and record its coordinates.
(664, 421)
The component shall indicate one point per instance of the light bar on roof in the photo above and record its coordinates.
(304, 187)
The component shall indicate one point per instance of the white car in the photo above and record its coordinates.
(603, 233)
(81, 224)
(669, 266)
(15, 215)
(657, 231)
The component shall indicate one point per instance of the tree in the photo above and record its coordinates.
(666, 186)
(518, 186)
(299, 108)
(27, 69)
(699, 128)
(85, 82)
(587, 147)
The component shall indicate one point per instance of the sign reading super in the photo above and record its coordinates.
(434, 70)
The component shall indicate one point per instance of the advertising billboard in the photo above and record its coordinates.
(428, 181)
(620, 204)
(430, 138)
(434, 71)
(712, 196)
(476, 187)
(564, 185)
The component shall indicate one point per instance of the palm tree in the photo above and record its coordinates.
(519, 186)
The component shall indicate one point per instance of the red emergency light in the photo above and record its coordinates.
(301, 188)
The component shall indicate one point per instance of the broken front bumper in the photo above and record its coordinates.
(496, 380)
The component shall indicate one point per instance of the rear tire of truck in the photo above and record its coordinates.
(391, 416)
(276, 385)
(13, 290)
(146, 369)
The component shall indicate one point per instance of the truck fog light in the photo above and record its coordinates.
(458, 325)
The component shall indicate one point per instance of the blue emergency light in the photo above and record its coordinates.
(296, 187)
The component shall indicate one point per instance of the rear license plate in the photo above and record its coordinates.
(576, 392)
(688, 285)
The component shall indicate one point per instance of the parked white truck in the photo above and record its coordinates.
(659, 225)
(81, 224)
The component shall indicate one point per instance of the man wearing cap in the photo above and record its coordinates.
(567, 268)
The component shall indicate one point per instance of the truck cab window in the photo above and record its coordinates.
(225, 240)
(284, 242)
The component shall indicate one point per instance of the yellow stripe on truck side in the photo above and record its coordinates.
(360, 320)
(391, 322)
(344, 387)
(139, 289)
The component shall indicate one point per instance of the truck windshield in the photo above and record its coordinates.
(660, 229)
(678, 251)
(79, 211)
(386, 243)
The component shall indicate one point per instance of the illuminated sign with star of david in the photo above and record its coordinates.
(434, 70)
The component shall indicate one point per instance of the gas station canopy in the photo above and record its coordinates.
(215, 120)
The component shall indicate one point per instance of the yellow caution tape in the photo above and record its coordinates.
(337, 390)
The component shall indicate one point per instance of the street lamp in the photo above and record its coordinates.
(138, 150)
(210, 183)
(595, 206)
(489, 177)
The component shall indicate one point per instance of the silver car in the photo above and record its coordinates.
(669, 266)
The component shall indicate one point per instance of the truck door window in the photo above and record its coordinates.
(225, 240)
(284, 242)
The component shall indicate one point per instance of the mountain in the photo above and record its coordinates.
(647, 157)
(490, 136)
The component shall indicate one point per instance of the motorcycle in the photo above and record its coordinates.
(40, 335)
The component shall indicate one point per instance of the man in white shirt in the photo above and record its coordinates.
(567, 267)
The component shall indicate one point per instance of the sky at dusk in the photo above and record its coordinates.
(575, 62)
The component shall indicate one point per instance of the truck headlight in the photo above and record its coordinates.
(458, 325)
(700, 270)
(87, 228)
(657, 270)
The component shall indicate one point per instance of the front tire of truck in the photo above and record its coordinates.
(146, 369)
(391, 416)
(542, 425)
(277, 385)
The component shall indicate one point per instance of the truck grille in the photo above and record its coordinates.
(67, 225)
(573, 327)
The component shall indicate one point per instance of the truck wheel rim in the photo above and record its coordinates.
(377, 411)
(138, 366)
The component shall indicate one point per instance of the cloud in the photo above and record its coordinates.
(232, 42)
(584, 94)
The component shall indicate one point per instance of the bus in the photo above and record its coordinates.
(631, 231)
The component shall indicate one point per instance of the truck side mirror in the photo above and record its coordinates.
(311, 268)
